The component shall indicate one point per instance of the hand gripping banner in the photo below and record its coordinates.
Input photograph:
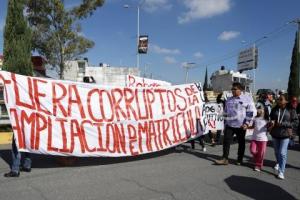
(77, 119)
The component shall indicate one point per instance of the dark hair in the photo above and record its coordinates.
(285, 96)
(238, 85)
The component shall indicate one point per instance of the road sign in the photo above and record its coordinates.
(248, 59)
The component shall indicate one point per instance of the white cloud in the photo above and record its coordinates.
(198, 9)
(198, 55)
(154, 5)
(228, 35)
(170, 60)
(160, 50)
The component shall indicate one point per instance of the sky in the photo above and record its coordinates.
(209, 33)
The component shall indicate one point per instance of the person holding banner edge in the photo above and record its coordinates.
(200, 138)
(238, 114)
(16, 162)
(219, 100)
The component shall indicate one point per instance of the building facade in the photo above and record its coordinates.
(80, 70)
(222, 80)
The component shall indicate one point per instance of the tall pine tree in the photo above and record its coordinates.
(17, 40)
(293, 85)
(205, 85)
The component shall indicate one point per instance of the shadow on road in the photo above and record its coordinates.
(213, 157)
(257, 189)
(48, 161)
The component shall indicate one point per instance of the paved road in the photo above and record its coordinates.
(171, 174)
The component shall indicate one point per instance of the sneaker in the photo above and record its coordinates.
(257, 169)
(280, 176)
(24, 169)
(204, 149)
(276, 169)
(222, 162)
(239, 163)
(12, 174)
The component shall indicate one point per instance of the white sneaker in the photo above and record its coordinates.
(280, 176)
(256, 169)
(276, 169)
(204, 149)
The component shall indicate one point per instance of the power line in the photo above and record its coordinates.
(268, 37)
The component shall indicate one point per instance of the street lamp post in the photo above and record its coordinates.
(138, 31)
(138, 36)
(188, 66)
(255, 54)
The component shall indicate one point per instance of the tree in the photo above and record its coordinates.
(205, 85)
(293, 85)
(17, 40)
(56, 30)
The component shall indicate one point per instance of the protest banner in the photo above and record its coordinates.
(77, 119)
(136, 81)
(214, 116)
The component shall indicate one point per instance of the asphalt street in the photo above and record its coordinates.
(171, 174)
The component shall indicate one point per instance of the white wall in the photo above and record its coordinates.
(115, 76)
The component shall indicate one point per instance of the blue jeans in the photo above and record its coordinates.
(16, 158)
(281, 148)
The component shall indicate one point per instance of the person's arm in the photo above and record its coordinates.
(252, 126)
(271, 123)
(293, 122)
(225, 112)
(272, 115)
(250, 113)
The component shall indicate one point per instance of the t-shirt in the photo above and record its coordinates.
(260, 129)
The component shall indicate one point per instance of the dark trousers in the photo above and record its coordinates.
(228, 135)
(218, 139)
(201, 141)
(16, 158)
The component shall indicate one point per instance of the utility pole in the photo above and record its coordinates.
(138, 37)
(254, 68)
(145, 69)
